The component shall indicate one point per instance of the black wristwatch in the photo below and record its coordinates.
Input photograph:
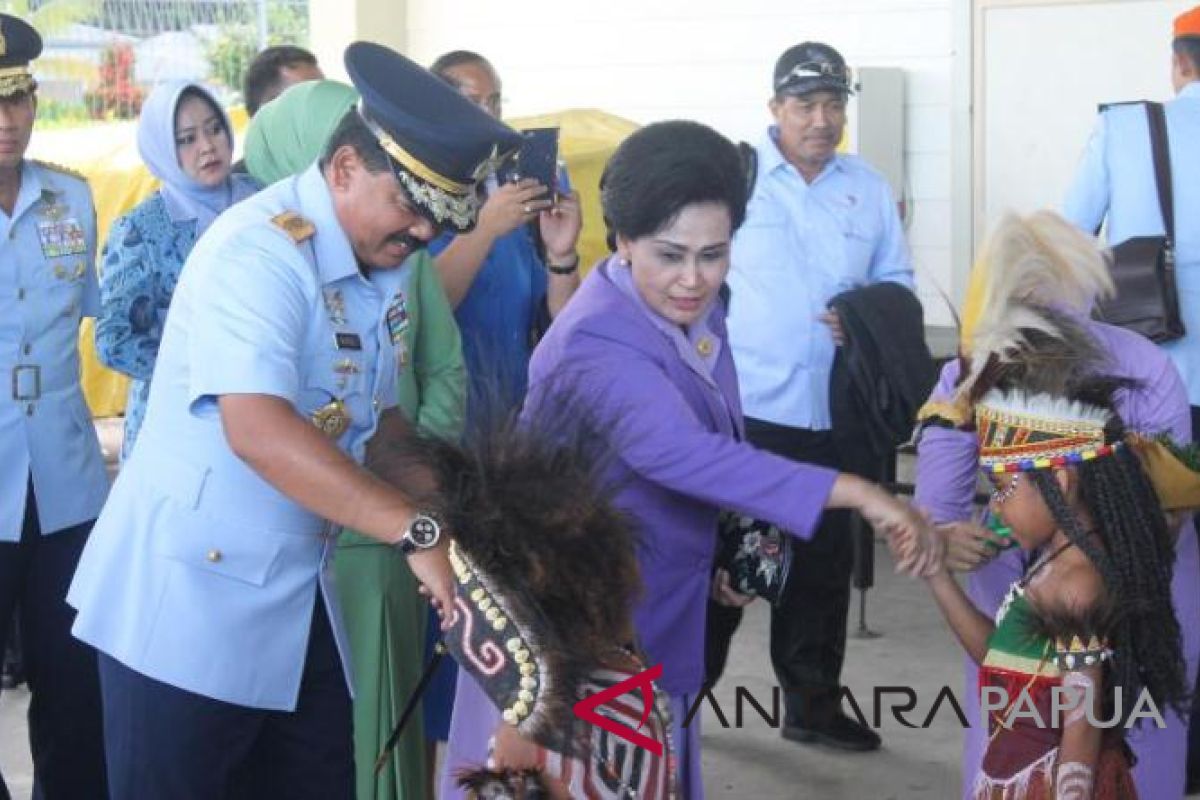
(422, 533)
(564, 269)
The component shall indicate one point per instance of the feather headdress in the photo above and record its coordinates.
(1042, 277)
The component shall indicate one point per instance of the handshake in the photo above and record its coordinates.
(918, 548)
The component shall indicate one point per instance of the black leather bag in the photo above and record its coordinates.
(1143, 268)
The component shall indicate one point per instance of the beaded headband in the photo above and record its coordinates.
(1019, 432)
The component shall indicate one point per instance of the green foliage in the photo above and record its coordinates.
(51, 16)
(58, 114)
(230, 53)
(1188, 454)
(287, 23)
(233, 50)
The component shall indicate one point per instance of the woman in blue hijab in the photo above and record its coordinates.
(186, 140)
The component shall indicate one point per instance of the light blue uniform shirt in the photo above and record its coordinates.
(1115, 178)
(199, 573)
(801, 245)
(47, 283)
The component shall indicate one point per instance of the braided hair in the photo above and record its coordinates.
(1135, 560)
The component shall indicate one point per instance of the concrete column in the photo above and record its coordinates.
(333, 24)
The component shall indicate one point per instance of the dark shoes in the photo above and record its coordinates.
(841, 732)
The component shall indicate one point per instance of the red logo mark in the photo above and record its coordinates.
(586, 709)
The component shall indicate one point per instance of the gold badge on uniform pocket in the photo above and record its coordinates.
(332, 419)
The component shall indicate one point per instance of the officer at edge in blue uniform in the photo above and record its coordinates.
(207, 585)
(52, 478)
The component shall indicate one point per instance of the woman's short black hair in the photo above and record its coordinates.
(665, 167)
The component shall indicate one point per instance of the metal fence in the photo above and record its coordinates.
(102, 56)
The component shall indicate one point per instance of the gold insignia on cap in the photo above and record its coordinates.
(460, 210)
(295, 226)
(411, 162)
(332, 419)
(14, 80)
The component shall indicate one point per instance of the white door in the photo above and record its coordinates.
(1040, 70)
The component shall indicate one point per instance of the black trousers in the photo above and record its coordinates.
(65, 733)
(165, 742)
(808, 627)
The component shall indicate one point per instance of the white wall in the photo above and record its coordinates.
(711, 60)
(1036, 112)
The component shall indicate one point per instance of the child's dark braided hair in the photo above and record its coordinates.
(1135, 561)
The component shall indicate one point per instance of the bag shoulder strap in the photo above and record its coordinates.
(1162, 167)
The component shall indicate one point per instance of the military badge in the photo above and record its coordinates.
(61, 237)
(345, 367)
(397, 318)
(335, 306)
(332, 419)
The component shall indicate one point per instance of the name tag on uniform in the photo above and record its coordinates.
(347, 341)
(397, 318)
(61, 237)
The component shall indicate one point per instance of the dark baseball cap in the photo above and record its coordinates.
(812, 67)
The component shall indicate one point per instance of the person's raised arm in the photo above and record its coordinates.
(505, 210)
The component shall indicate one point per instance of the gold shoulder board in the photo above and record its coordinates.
(295, 226)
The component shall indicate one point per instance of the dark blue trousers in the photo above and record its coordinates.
(165, 743)
(65, 733)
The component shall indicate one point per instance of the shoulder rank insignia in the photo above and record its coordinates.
(295, 226)
(60, 169)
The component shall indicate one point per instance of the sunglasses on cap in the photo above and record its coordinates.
(807, 70)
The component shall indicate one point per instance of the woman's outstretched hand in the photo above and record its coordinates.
(917, 548)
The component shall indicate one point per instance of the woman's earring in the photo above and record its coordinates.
(1000, 496)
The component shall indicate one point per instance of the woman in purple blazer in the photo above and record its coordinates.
(643, 344)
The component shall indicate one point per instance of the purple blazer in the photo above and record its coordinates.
(679, 457)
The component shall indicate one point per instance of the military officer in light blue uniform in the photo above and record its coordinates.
(52, 478)
(206, 585)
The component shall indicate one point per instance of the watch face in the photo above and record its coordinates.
(424, 532)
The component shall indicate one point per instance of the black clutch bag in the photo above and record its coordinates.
(756, 554)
